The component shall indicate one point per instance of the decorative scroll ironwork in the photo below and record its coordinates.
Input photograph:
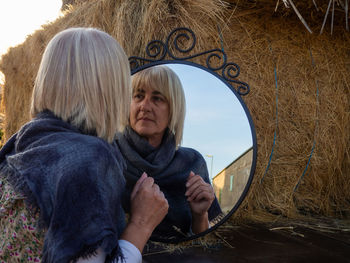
(183, 40)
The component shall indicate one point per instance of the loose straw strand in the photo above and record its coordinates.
(276, 123)
(316, 127)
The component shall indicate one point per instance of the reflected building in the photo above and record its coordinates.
(231, 181)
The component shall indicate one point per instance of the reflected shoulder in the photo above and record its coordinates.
(190, 153)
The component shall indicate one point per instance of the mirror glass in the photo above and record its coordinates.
(218, 127)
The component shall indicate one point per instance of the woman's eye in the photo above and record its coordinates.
(158, 98)
(138, 96)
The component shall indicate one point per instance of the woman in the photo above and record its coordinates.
(66, 165)
(151, 144)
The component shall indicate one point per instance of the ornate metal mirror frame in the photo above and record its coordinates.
(159, 52)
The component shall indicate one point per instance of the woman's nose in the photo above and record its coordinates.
(145, 104)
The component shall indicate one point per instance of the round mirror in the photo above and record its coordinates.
(217, 125)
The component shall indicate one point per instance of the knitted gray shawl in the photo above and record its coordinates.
(74, 180)
(170, 168)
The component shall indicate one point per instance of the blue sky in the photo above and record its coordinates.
(216, 123)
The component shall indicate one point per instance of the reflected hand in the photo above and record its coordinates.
(200, 194)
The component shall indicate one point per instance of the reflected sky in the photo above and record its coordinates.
(215, 123)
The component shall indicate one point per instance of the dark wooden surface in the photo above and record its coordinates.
(257, 243)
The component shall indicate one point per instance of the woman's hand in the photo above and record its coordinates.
(200, 196)
(148, 204)
(148, 208)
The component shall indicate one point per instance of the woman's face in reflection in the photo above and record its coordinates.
(149, 114)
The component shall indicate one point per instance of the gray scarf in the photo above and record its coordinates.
(170, 169)
(75, 181)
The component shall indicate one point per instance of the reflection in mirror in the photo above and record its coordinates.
(217, 126)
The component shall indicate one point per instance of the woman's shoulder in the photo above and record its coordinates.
(80, 142)
(84, 150)
(44, 147)
(190, 153)
(69, 144)
(52, 134)
(193, 160)
(188, 150)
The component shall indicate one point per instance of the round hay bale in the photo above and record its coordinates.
(308, 173)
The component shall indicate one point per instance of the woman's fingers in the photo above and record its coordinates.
(192, 178)
(198, 190)
(193, 183)
(201, 192)
(138, 184)
(147, 183)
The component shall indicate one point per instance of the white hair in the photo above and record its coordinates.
(84, 78)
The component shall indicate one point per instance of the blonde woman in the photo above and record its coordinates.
(65, 164)
(151, 144)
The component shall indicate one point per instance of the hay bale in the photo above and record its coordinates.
(2, 116)
(259, 40)
(68, 4)
(263, 43)
(316, 16)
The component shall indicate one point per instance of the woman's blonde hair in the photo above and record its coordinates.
(84, 78)
(164, 80)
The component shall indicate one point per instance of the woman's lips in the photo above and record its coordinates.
(144, 119)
